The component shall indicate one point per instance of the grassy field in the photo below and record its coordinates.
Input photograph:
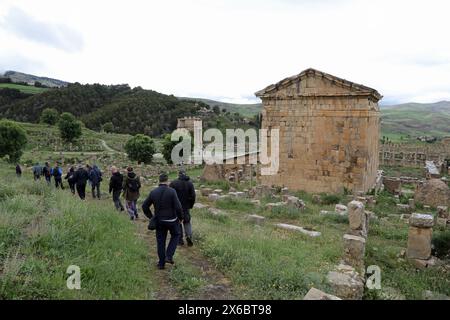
(44, 231)
(25, 89)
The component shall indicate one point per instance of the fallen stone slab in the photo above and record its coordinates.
(299, 229)
(200, 206)
(316, 294)
(442, 222)
(419, 220)
(256, 202)
(419, 243)
(206, 191)
(256, 219)
(218, 191)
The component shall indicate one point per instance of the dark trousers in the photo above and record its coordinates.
(72, 187)
(58, 183)
(96, 187)
(48, 179)
(187, 226)
(81, 189)
(161, 236)
(116, 199)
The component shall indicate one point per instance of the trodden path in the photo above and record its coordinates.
(217, 286)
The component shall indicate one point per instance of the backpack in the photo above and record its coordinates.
(132, 185)
(57, 172)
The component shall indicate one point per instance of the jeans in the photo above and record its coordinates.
(116, 199)
(81, 189)
(96, 187)
(48, 179)
(187, 224)
(132, 208)
(161, 236)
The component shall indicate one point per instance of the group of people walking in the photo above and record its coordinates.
(171, 202)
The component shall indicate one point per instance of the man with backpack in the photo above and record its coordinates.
(131, 187)
(69, 178)
(186, 194)
(57, 175)
(47, 173)
(95, 177)
(80, 179)
(37, 171)
(115, 186)
(168, 215)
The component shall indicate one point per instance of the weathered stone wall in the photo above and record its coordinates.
(408, 155)
(327, 143)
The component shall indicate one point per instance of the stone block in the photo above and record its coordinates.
(404, 208)
(419, 220)
(298, 229)
(256, 219)
(347, 286)
(316, 294)
(357, 218)
(200, 206)
(419, 243)
(206, 191)
(354, 251)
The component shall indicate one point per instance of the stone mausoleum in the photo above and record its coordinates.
(329, 132)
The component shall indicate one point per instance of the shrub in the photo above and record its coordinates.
(140, 148)
(69, 127)
(50, 116)
(329, 199)
(12, 140)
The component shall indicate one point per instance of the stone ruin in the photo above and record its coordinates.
(347, 281)
(419, 240)
(434, 193)
(329, 132)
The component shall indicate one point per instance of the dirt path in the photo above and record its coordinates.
(217, 286)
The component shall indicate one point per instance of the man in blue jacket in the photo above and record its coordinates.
(95, 177)
(169, 215)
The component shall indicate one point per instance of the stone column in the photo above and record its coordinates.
(419, 237)
(357, 218)
(354, 251)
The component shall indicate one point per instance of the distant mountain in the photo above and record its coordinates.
(246, 110)
(416, 119)
(31, 79)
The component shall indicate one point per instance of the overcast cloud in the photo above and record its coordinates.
(228, 49)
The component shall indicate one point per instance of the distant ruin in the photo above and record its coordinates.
(329, 132)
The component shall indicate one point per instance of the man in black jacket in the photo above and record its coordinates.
(169, 214)
(80, 179)
(186, 193)
(115, 186)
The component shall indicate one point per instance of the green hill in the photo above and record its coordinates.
(416, 119)
(23, 88)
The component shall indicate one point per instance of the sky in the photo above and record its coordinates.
(228, 49)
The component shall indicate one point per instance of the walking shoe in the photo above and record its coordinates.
(132, 218)
(122, 209)
(136, 216)
(170, 261)
(160, 267)
(189, 242)
(181, 242)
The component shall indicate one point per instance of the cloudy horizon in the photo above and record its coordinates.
(228, 50)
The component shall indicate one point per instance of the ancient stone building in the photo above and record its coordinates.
(188, 123)
(329, 132)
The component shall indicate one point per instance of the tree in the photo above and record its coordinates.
(140, 148)
(12, 140)
(69, 127)
(49, 116)
(108, 127)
